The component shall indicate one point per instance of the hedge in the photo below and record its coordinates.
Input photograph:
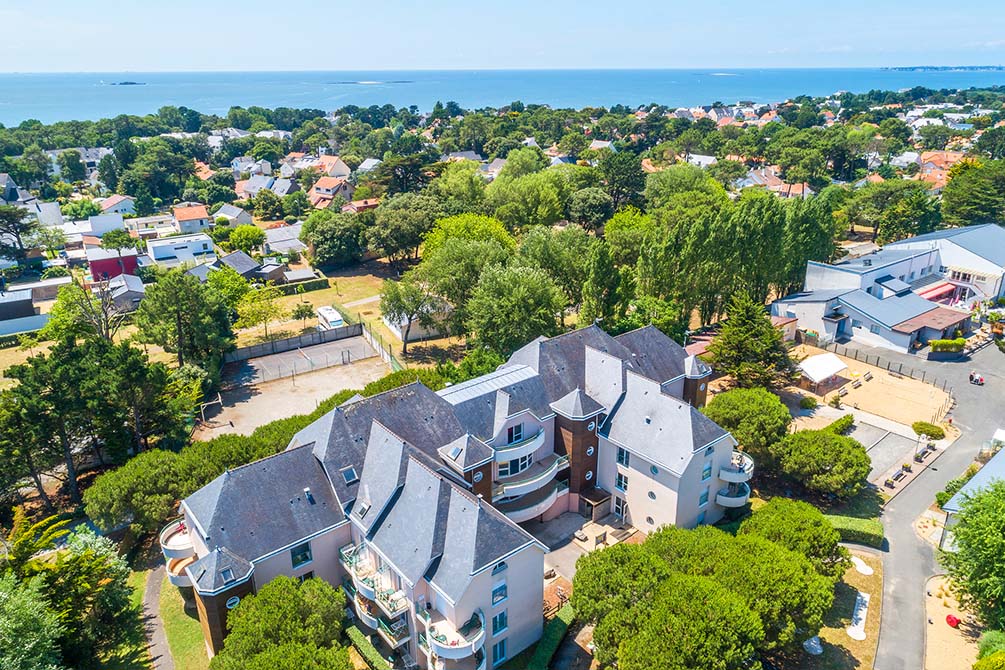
(808, 402)
(366, 648)
(930, 429)
(551, 638)
(309, 285)
(842, 425)
(954, 485)
(948, 345)
(859, 531)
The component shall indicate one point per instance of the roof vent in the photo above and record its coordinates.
(309, 495)
(867, 262)
(648, 420)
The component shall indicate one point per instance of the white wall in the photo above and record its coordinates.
(859, 329)
(324, 563)
(810, 315)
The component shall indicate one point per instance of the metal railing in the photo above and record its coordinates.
(516, 445)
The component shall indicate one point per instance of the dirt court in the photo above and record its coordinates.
(889, 395)
(247, 407)
(297, 362)
(948, 648)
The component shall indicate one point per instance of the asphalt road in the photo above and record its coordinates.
(909, 561)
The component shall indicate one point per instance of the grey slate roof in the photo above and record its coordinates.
(240, 262)
(816, 296)
(890, 311)
(992, 471)
(896, 285)
(255, 509)
(476, 402)
(283, 187)
(662, 429)
(465, 452)
(126, 282)
(654, 354)
(218, 570)
(576, 405)
(384, 468)
(200, 272)
(229, 211)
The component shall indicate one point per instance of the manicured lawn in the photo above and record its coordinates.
(184, 634)
(133, 654)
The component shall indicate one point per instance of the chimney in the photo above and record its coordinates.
(309, 495)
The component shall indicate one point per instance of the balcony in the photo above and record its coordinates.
(364, 577)
(176, 570)
(531, 479)
(367, 612)
(175, 540)
(393, 633)
(509, 452)
(373, 584)
(734, 495)
(391, 600)
(739, 470)
(533, 504)
(476, 662)
(450, 642)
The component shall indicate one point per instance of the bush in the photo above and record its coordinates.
(992, 641)
(808, 402)
(54, 272)
(954, 485)
(930, 429)
(427, 376)
(551, 638)
(955, 345)
(366, 649)
(842, 425)
(756, 418)
(823, 462)
(309, 285)
(858, 531)
(995, 661)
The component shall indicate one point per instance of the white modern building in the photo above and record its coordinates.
(171, 252)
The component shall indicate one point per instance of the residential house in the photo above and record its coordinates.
(284, 187)
(17, 311)
(598, 145)
(327, 189)
(411, 499)
(11, 193)
(993, 471)
(118, 204)
(235, 215)
(203, 171)
(455, 156)
(368, 165)
(257, 183)
(127, 292)
(193, 249)
(275, 134)
(357, 206)
(89, 156)
(491, 170)
(241, 263)
(247, 164)
(107, 263)
(284, 239)
(701, 160)
(47, 214)
(333, 166)
(191, 218)
(906, 159)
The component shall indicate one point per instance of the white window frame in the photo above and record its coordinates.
(623, 504)
(514, 434)
(623, 457)
(621, 482)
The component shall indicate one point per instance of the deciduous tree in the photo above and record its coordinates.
(513, 305)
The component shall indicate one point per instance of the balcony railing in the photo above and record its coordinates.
(394, 633)
(533, 504)
(520, 443)
(734, 495)
(367, 612)
(423, 642)
(739, 470)
(347, 555)
(392, 601)
(175, 541)
(542, 473)
(176, 570)
(509, 452)
(456, 643)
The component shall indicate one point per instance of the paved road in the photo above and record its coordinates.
(160, 653)
(909, 561)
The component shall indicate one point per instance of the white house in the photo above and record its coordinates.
(191, 218)
(118, 204)
(234, 215)
(194, 249)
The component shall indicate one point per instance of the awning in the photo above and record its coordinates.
(937, 291)
(821, 367)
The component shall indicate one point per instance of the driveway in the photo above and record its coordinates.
(909, 560)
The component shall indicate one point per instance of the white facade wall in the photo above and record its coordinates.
(324, 559)
(192, 225)
(954, 257)
(860, 328)
(822, 277)
(810, 315)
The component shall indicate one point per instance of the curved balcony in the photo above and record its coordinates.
(175, 540)
(394, 633)
(364, 577)
(533, 504)
(176, 570)
(447, 641)
(734, 495)
(739, 470)
(531, 479)
(509, 452)
(366, 611)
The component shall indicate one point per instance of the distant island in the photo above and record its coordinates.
(128, 83)
(948, 68)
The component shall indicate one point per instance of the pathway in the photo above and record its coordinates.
(909, 560)
(362, 301)
(160, 653)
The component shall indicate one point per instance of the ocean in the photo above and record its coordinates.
(81, 96)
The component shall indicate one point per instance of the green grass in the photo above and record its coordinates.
(133, 654)
(184, 634)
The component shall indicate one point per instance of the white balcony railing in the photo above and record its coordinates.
(447, 641)
(734, 495)
(175, 541)
(176, 570)
(510, 452)
(539, 475)
(739, 470)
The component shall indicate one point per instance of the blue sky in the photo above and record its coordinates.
(150, 35)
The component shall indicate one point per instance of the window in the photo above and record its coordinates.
(701, 517)
(589, 475)
(228, 575)
(621, 482)
(706, 472)
(301, 554)
(855, 323)
(304, 577)
(514, 433)
(623, 457)
(499, 593)
(590, 450)
(498, 652)
(703, 498)
(652, 495)
(620, 507)
(874, 329)
(500, 622)
(477, 477)
(709, 451)
(593, 424)
(653, 469)
(500, 567)
(649, 520)
(349, 475)
(517, 466)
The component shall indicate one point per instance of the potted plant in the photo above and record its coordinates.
(906, 467)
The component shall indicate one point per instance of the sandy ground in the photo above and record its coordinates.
(248, 407)
(889, 395)
(947, 648)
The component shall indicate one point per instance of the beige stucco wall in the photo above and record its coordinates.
(324, 563)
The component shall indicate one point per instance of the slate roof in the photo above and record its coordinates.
(890, 311)
(662, 429)
(126, 282)
(210, 573)
(576, 405)
(47, 213)
(986, 241)
(257, 508)
(654, 354)
(283, 187)
(240, 262)
(384, 469)
(229, 211)
(816, 296)
(476, 402)
(465, 452)
(992, 471)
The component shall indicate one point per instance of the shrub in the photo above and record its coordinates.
(823, 462)
(835, 401)
(930, 429)
(842, 425)
(366, 649)
(954, 485)
(955, 345)
(992, 641)
(858, 531)
(808, 402)
(995, 661)
(551, 638)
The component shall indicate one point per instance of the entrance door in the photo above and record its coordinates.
(620, 507)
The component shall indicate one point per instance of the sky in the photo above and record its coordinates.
(182, 35)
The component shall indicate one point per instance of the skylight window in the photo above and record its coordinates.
(349, 475)
(228, 575)
(362, 509)
(455, 452)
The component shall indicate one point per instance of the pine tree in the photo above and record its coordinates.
(601, 290)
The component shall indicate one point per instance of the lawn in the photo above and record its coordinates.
(184, 634)
(133, 654)
(841, 652)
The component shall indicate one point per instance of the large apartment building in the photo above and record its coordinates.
(412, 499)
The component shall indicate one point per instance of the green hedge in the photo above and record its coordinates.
(551, 638)
(948, 345)
(309, 285)
(954, 485)
(842, 425)
(808, 402)
(366, 649)
(930, 429)
(859, 531)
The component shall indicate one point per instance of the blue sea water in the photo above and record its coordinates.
(79, 96)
